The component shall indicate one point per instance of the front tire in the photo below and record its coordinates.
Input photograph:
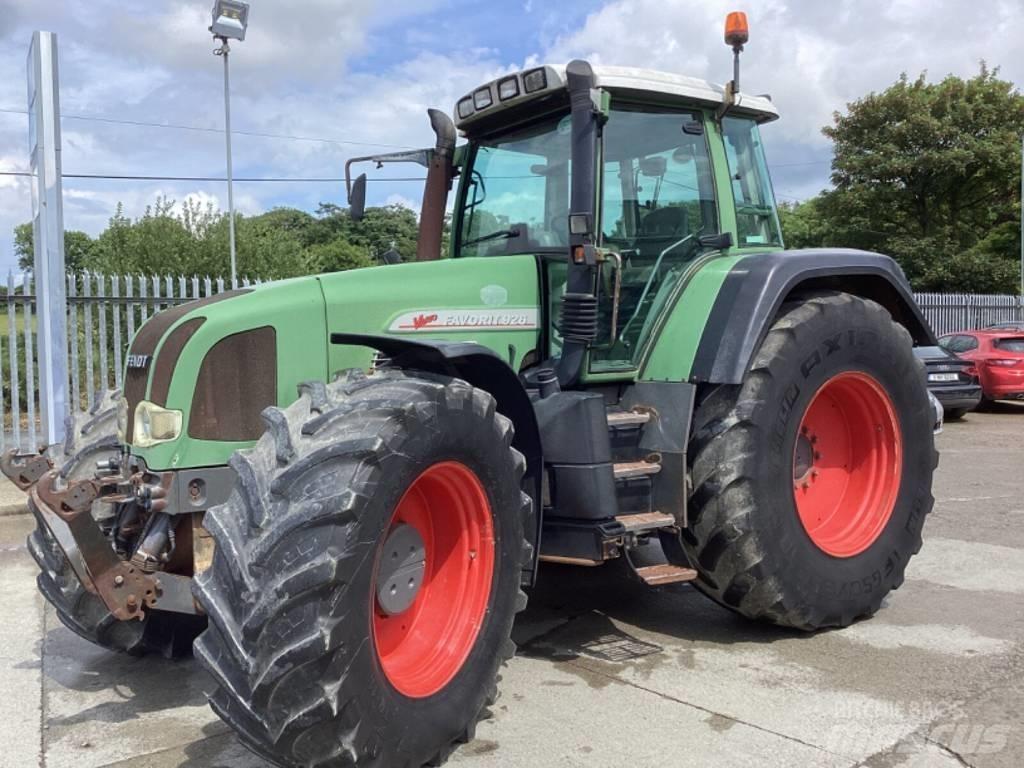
(812, 478)
(318, 659)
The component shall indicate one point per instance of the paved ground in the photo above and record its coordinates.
(936, 679)
(12, 500)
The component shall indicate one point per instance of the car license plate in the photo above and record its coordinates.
(937, 377)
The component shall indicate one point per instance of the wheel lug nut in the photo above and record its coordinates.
(118, 580)
(817, 455)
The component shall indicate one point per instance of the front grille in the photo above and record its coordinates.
(237, 380)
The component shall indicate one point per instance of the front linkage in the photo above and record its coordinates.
(126, 578)
(24, 469)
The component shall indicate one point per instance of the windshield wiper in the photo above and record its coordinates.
(504, 234)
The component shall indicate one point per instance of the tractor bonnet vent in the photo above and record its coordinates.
(237, 380)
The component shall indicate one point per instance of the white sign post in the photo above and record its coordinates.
(48, 235)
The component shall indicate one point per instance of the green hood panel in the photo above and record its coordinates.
(294, 308)
(493, 301)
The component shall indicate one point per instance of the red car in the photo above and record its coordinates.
(999, 357)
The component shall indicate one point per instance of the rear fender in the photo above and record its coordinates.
(755, 288)
(482, 368)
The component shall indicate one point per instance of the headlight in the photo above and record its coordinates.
(122, 421)
(482, 98)
(154, 424)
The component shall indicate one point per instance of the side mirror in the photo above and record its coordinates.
(653, 167)
(357, 198)
(718, 241)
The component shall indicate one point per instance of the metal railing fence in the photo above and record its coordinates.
(105, 311)
(948, 312)
(103, 314)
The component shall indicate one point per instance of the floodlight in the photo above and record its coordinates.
(230, 18)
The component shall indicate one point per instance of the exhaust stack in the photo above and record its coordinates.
(435, 190)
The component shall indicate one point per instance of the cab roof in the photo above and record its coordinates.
(623, 81)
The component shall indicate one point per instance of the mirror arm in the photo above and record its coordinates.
(418, 156)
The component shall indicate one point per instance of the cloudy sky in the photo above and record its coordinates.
(357, 76)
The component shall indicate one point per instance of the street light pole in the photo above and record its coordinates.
(223, 51)
(230, 19)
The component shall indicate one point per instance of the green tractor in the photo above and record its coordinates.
(340, 487)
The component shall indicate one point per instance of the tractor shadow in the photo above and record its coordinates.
(576, 612)
(96, 685)
(1001, 407)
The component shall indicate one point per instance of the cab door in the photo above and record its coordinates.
(657, 201)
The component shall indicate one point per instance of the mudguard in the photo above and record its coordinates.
(757, 285)
(482, 368)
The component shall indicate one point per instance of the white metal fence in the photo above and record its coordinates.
(949, 312)
(104, 313)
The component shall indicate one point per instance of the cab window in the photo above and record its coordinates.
(516, 194)
(757, 220)
(657, 186)
(657, 199)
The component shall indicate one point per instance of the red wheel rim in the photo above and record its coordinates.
(424, 647)
(847, 464)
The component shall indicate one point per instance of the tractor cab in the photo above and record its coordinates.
(651, 173)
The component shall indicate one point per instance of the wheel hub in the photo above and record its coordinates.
(803, 457)
(847, 463)
(433, 579)
(400, 575)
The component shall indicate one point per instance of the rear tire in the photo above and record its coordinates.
(296, 644)
(750, 537)
(92, 436)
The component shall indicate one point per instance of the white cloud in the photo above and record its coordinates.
(813, 57)
(406, 202)
(366, 72)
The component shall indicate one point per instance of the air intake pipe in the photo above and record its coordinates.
(578, 315)
(435, 190)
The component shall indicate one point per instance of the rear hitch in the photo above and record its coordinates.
(24, 469)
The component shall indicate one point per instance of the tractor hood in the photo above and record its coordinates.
(199, 375)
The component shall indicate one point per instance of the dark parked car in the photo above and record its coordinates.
(1006, 325)
(953, 381)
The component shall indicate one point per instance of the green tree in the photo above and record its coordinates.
(337, 255)
(78, 248)
(378, 229)
(192, 239)
(929, 173)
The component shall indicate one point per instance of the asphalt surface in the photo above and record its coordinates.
(611, 673)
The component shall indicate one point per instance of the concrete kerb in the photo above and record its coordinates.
(12, 500)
